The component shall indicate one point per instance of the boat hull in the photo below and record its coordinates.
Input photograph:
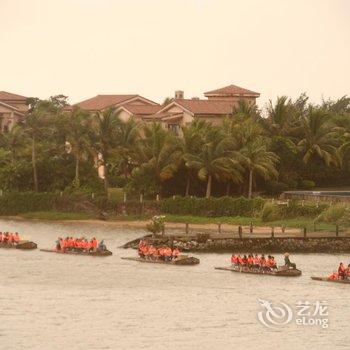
(279, 273)
(326, 279)
(24, 245)
(183, 261)
(96, 253)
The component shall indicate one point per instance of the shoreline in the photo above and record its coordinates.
(226, 229)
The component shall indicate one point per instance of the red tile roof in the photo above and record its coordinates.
(142, 109)
(206, 107)
(8, 96)
(231, 90)
(13, 108)
(103, 101)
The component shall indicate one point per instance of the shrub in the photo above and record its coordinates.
(306, 184)
(336, 214)
(296, 209)
(270, 212)
(156, 224)
(23, 202)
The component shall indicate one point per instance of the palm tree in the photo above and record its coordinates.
(214, 160)
(36, 123)
(281, 117)
(77, 138)
(128, 135)
(104, 137)
(13, 141)
(245, 110)
(191, 143)
(258, 160)
(158, 153)
(317, 136)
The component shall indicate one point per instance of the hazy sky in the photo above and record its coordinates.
(152, 47)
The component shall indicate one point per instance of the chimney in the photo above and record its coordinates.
(179, 94)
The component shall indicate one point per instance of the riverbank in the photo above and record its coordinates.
(293, 227)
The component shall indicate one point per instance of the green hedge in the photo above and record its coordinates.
(213, 207)
(296, 209)
(23, 202)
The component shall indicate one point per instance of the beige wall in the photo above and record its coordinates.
(215, 120)
(7, 118)
(234, 99)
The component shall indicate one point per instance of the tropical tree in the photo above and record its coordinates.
(13, 141)
(245, 110)
(258, 160)
(127, 136)
(191, 142)
(317, 136)
(158, 155)
(215, 159)
(36, 122)
(103, 135)
(77, 138)
(281, 117)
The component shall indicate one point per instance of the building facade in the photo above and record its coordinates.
(12, 110)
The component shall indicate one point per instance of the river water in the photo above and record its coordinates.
(53, 301)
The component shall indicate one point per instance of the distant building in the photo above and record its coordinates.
(176, 113)
(12, 110)
(128, 105)
(219, 103)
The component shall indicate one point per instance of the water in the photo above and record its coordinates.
(53, 301)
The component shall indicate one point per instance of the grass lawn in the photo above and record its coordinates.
(243, 220)
(234, 220)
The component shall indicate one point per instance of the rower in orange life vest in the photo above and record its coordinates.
(93, 244)
(250, 261)
(270, 262)
(176, 253)
(6, 238)
(16, 238)
(347, 272)
(341, 271)
(256, 261)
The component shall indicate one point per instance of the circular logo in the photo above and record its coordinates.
(273, 316)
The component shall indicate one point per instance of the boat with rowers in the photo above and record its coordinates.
(281, 271)
(77, 252)
(10, 240)
(342, 276)
(149, 253)
(327, 279)
(79, 246)
(180, 260)
(24, 245)
(259, 265)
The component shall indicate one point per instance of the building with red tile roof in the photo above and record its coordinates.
(12, 110)
(102, 102)
(218, 104)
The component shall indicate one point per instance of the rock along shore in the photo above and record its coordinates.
(203, 243)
